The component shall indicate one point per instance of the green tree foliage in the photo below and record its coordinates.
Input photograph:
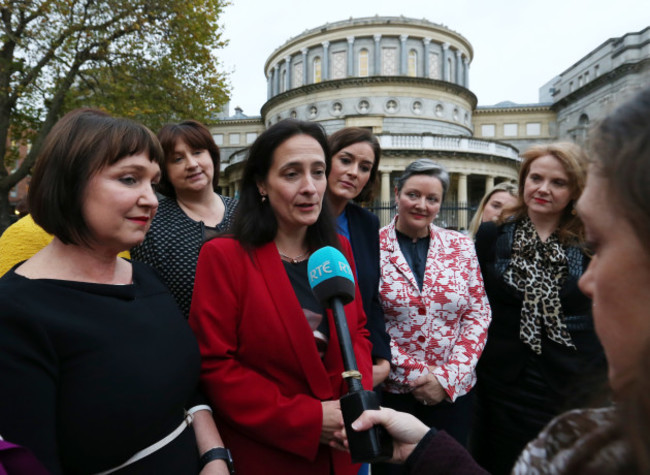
(150, 60)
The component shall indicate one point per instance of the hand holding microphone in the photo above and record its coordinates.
(332, 281)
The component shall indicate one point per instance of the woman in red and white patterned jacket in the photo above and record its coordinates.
(435, 306)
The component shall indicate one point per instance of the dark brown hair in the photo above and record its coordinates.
(574, 161)
(350, 136)
(255, 223)
(79, 145)
(196, 136)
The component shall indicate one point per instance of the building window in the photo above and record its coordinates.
(363, 107)
(234, 139)
(317, 70)
(586, 77)
(339, 65)
(596, 71)
(439, 110)
(533, 128)
(509, 130)
(250, 137)
(283, 81)
(413, 63)
(488, 130)
(580, 81)
(434, 65)
(571, 86)
(297, 74)
(450, 70)
(218, 139)
(363, 63)
(389, 61)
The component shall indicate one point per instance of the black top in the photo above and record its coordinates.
(297, 274)
(92, 373)
(505, 356)
(364, 239)
(173, 243)
(415, 252)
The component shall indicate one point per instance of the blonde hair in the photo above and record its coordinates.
(508, 187)
(574, 161)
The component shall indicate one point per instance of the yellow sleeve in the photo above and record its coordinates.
(20, 241)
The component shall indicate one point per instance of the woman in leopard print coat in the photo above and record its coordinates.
(541, 343)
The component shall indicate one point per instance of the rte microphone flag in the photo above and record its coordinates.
(332, 281)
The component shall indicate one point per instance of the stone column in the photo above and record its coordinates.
(403, 56)
(325, 74)
(459, 68)
(462, 201)
(269, 84)
(350, 56)
(287, 64)
(305, 67)
(377, 56)
(489, 183)
(445, 62)
(384, 217)
(466, 67)
(427, 52)
(276, 79)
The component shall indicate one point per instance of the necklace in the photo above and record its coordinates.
(294, 260)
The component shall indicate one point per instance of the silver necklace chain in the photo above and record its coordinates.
(294, 260)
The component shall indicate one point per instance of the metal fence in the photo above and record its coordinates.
(452, 215)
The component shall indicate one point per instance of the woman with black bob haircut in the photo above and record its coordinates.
(271, 359)
(80, 362)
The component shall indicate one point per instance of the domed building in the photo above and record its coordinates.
(408, 81)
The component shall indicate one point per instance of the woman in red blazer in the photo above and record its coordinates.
(271, 363)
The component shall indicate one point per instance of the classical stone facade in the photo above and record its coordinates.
(408, 81)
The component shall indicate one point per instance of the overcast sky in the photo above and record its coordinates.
(518, 44)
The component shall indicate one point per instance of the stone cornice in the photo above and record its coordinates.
(485, 110)
(363, 82)
(602, 80)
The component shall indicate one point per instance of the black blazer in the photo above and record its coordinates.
(364, 237)
(505, 355)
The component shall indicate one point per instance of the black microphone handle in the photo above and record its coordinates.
(374, 444)
(345, 341)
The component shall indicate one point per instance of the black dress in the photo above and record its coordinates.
(92, 373)
(518, 391)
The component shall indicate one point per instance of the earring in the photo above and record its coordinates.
(263, 198)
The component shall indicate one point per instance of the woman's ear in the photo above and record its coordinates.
(261, 188)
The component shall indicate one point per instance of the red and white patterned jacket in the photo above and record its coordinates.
(444, 326)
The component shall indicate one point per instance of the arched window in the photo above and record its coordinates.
(413, 63)
(363, 63)
(317, 70)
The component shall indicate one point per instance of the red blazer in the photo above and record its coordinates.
(260, 367)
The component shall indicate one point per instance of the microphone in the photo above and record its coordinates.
(332, 281)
